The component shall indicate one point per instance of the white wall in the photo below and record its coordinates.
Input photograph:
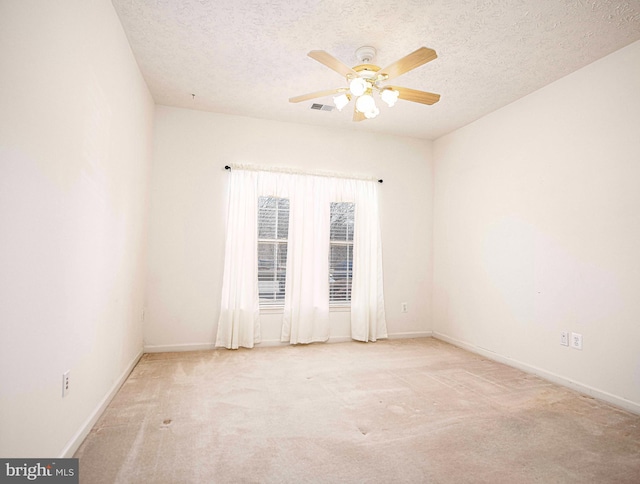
(537, 230)
(76, 122)
(188, 209)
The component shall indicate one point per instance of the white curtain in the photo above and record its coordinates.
(368, 322)
(306, 299)
(239, 323)
(306, 304)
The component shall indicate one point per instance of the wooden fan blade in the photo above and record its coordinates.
(409, 62)
(357, 115)
(332, 63)
(416, 96)
(313, 95)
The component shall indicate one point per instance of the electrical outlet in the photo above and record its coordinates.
(576, 341)
(564, 338)
(404, 307)
(65, 383)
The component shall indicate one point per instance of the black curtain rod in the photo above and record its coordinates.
(227, 167)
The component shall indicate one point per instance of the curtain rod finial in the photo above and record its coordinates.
(380, 181)
(227, 167)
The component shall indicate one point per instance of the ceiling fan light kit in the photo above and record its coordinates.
(389, 96)
(341, 101)
(366, 78)
(358, 86)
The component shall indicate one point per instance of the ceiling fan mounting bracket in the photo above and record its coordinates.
(366, 54)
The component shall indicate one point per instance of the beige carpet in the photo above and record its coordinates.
(413, 411)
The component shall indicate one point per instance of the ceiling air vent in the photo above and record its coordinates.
(322, 107)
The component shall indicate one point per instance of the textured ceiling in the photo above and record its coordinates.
(247, 57)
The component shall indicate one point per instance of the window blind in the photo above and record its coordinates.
(273, 228)
(341, 252)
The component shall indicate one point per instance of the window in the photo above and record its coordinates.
(341, 252)
(346, 244)
(273, 228)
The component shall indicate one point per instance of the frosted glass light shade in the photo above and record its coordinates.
(372, 113)
(341, 101)
(358, 86)
(389, 96)
(365, 103)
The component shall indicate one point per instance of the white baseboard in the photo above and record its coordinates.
(345, 339)
(267, 343)
(277, 342)
(547, 375)
(411, 334)
(84, 430)
(181, 347)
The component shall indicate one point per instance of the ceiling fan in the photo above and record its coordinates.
(365, 79)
